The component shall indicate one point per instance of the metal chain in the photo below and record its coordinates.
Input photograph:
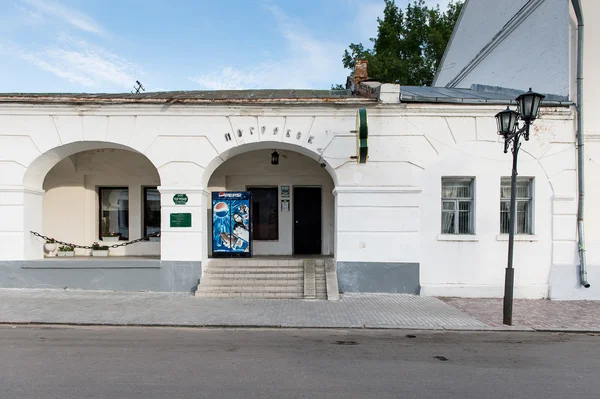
(89, 246)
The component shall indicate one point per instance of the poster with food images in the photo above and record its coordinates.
(231, 223)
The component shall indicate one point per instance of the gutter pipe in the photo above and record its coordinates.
(580, 152)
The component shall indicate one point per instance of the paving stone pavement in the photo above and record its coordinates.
(538, 314)
(128, 308)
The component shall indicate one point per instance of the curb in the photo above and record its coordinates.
(314, 327)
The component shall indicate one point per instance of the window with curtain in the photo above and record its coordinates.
(151, 211)
(457, 206)
(265, 216)
(524, 204)
(114, 212)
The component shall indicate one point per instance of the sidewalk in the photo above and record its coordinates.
(37, 306)
(541, 315)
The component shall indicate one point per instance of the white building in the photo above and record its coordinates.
(516, 44)
(422, 215)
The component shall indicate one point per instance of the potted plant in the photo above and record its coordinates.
(111, 236)
(66, 250)
(99, 250)
(50, 247)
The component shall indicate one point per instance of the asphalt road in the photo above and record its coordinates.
(103, 362)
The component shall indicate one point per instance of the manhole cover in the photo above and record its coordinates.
(346, 343)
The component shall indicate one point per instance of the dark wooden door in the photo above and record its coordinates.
(307, 220)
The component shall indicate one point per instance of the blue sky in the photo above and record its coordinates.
(106, 45)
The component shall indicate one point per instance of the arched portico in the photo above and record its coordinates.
(186, 151)
(297, 194)
(79, 191)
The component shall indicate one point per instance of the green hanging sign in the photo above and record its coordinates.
(180, 199)
(362, 134)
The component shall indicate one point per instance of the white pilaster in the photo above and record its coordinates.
(183, 243)
(20, 213)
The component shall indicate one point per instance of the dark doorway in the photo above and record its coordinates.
(307, 220)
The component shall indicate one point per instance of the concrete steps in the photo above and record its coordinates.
(260, 278)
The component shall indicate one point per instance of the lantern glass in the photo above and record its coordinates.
(507, 121)
(529, 105)
(274, 158)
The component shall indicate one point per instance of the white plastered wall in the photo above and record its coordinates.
(71, 202)
(254, 169)
(387, 210)
(475, 265)
(591, 11)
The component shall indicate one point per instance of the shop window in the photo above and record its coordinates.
(151, 208)
(265, 218)
(114, 212)
(524, 205)
(457, 206)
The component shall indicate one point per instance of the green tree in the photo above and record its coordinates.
(409, 44)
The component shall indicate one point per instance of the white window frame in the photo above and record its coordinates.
(505, 182)
(456, 201)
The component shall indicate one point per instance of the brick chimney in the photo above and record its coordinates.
(360, 71)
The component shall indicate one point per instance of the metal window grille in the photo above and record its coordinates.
(524, 204)
(457, 206)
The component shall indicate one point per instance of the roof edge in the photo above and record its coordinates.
(458, 22)
(38, 99)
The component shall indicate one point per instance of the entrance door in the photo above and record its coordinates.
(307, 220)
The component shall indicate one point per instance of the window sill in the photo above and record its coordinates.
(518, 237)
(458, 237)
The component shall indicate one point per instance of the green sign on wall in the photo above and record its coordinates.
(181, 220)
(362, 130)
(180, 199)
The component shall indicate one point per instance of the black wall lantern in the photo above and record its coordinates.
(275, 158)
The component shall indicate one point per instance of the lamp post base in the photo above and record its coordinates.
(509, 281)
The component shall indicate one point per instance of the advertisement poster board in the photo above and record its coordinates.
(232, 229)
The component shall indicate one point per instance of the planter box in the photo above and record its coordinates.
(110, 239)
(99, 252)
(50, 249)
(66, 253)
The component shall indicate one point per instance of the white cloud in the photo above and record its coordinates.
(365, 22)
(62, 12)
(442, 3)
(308, 63)
(267, 75)
(83, 64)
(30, 17)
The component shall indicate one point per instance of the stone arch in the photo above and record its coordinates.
(37, 170)
(264, 145)
(295, 154)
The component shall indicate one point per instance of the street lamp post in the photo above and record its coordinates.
(527, 110)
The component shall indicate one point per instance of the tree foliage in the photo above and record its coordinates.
(409, 44)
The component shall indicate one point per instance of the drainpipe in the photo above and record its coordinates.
(580, 153)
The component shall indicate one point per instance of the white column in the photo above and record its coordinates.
(20, 212)
(183, 243)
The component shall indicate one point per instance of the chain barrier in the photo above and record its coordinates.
(89, 246)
